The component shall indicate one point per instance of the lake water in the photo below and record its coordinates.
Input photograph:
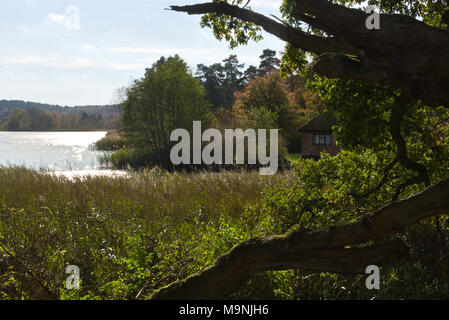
(68, 153)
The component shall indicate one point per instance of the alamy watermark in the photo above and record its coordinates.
(71, 18)
(73, 281)
(373, 20)
(212, 153)
(373, 280)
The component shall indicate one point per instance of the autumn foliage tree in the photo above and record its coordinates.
(284, 98)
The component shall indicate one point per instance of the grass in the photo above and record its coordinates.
(290, 157)
(126, 234)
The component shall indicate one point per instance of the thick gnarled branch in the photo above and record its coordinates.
(398, 112)
(319, 250)
(404, 52)
(297, 37)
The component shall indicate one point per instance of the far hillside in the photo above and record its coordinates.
(16, 115)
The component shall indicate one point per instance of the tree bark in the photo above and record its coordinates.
(319, 250)
(404, 53)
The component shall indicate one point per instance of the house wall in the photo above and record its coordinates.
(308, 149)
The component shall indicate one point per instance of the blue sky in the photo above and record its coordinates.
(45, 57)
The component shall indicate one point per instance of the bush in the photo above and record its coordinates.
(111, 142)
(138, 158)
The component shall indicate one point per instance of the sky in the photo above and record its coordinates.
(79, 52)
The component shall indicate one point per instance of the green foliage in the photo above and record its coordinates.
(131, 236)
(18, 120)
(261, 118)
(283, 99)
(125, 233)
(223, 80)
(234, 31)
(363, 112)
(336, 190)
(326, 192)
(168, 97)
(138, 158)
(268, 62)
(111, 142)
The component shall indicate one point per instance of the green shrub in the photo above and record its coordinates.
(111, 142)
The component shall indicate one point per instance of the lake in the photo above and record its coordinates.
(67, 153)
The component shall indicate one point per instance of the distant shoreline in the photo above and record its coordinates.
(59, 130)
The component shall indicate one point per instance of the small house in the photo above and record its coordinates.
(317, 137)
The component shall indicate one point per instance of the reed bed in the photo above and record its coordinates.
(129, 235)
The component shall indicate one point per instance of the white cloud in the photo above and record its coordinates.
(71, 19)
(69, 63)
(57, 17)
(183, 52)
(137, 50)
(120, 66)
(15, 28)
(9, 73)
(88, 47)
(268, 4)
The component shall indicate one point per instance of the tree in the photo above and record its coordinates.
(268, 62)
(233, 81)
(212, 79)
(222, 81)
(398, 84)
(264, 91)
(168, 97)
(283, 97)
(269, 92)
(39, 120)
(18, 120)
(250, 73)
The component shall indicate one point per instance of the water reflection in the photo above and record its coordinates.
(68, 153)
(98, 173)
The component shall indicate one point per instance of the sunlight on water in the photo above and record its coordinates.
(97, 173)
(68, 153)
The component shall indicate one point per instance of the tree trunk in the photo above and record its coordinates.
(319, 250)
(404, 53)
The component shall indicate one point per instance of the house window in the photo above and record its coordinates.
(322, 139)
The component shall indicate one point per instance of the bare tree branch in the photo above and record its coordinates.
(297, 37)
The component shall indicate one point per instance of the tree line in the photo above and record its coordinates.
(223, 95)
(37, 117)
